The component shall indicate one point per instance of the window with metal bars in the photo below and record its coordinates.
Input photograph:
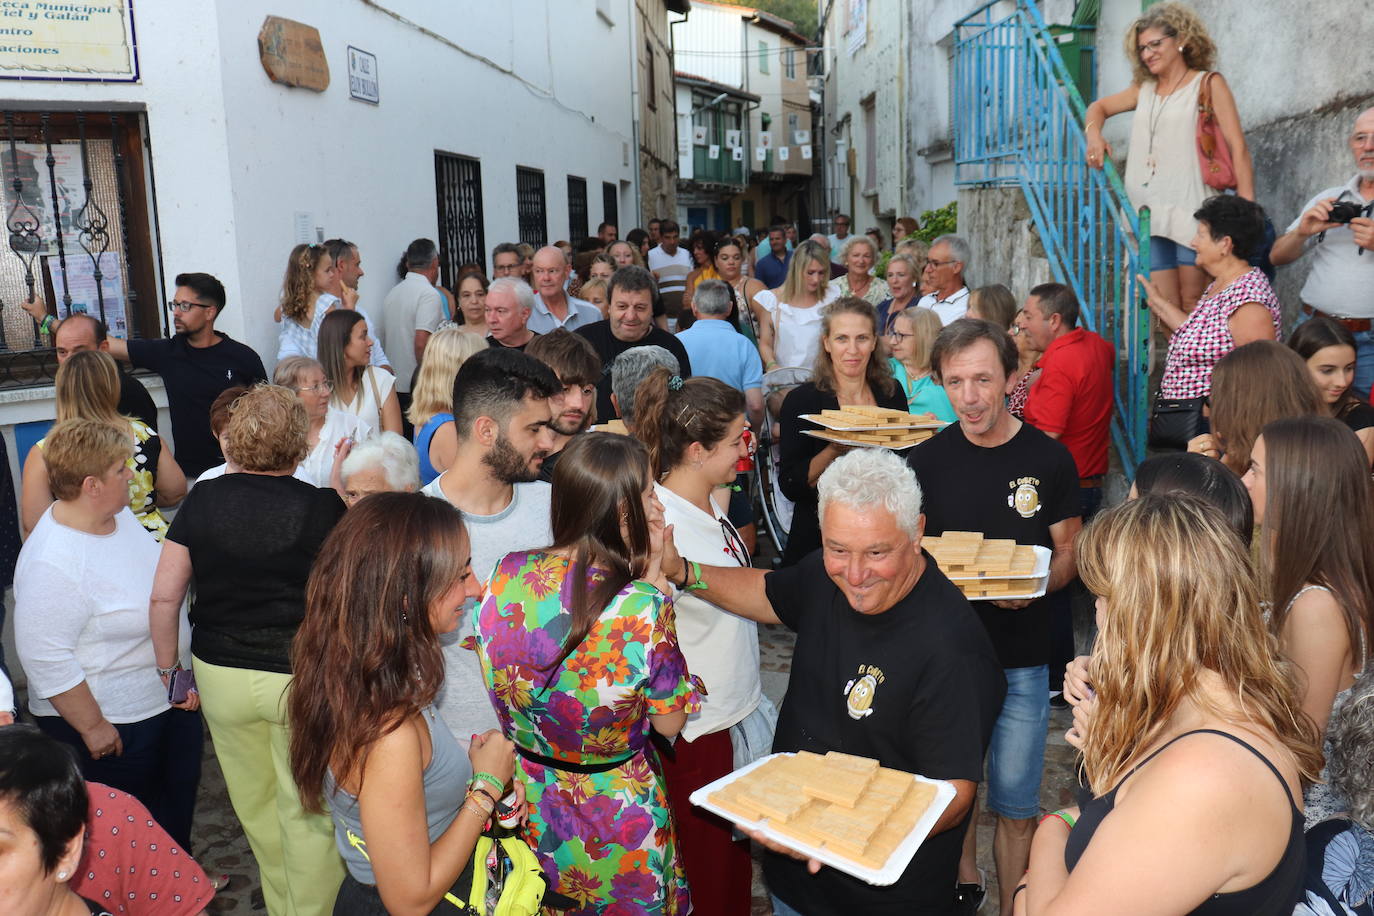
(77, 210)
(577, 209)
(458, 195)
(530, 209)
(610, 206)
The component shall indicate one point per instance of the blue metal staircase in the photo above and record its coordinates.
(1018, 122)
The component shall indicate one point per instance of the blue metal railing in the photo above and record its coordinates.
(1018, 122)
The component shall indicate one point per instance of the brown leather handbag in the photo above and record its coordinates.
(1213, 154)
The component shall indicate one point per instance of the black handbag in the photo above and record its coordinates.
(1175, 421)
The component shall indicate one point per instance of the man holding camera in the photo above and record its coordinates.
(1338, 228)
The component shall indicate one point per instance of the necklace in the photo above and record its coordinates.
(1150, 161)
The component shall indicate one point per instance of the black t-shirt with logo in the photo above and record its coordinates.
(1016, 490)
(918, 687)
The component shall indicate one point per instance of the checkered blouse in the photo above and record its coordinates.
(1205, 336)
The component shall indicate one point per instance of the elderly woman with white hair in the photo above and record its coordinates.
(329, 427)
(386, 463)
(858, 256)
(890, 663)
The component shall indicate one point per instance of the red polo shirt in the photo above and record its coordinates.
(1072, 398)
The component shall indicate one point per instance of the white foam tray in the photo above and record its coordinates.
(896, 863)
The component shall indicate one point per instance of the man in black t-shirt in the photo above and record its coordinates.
(195, 365)
(991, 473)
(890, 663)
(630, 305)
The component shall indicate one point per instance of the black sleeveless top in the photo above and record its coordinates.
(1275, 895)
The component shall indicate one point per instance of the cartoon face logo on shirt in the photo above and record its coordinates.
(860, 696)
(1025, 498)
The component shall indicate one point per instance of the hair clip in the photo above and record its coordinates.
(675, 383)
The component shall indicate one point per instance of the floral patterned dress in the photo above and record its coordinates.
(606, 839)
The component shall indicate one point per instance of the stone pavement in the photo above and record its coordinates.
(222, 849)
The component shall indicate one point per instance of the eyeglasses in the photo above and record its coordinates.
(734, 545)
(933, 263)
(1151, 45)
(898, 335)
(322, 386)
(184, 307)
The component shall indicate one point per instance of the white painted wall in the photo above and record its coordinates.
(234, 155)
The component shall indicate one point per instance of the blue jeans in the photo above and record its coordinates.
(1016, 757)
(1166, 254)
(782, 909)
(1364, 359)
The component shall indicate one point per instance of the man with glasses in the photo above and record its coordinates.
(553, 307)
(196, 364)
(944, 271)
(839, 237)
(1341, 282)
(506, 260)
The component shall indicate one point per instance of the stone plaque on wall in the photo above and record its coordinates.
(292, 54)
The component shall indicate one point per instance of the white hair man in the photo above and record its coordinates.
(1342, 278)
(509, 304)
(944, 272)
(890, 663)
(385, 463)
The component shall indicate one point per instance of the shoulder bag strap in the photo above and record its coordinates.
(376, 395)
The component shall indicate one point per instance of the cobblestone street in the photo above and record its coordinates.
(222, 849)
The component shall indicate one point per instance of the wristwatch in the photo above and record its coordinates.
(167, 672)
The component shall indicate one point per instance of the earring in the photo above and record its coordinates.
(61, 876)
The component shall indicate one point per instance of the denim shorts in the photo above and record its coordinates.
(1166, 254)
(1016, 758)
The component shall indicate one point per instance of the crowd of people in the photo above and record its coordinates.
(487, 553)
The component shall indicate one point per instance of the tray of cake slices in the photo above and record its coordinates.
(864, 426)
(990, 569)
(848, 812)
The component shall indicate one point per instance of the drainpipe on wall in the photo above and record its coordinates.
(635, 107)
(672, 75)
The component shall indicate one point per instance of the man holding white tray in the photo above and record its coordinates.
(890, 663)
(993, 474)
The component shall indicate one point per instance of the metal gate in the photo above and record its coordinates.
(577, 209)
(458, 192)
(610, 207)
(530, 207)
(76, 209)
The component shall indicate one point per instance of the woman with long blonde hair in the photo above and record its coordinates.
(87, 388)
(789, 317)
(431, 400)
(1194, 744)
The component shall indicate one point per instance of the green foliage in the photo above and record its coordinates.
(934, 223)
(801, 13)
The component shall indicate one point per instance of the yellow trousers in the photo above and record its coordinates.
(246, 710)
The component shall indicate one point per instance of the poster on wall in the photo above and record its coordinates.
(699, 135)
(738, 153)
(806, 152)
(79, 284)
(801, 137)
(732, 139)
(84, 42)
(766, 139)
(713, 151)
(35, 195)
(784, 153)
(760, 154)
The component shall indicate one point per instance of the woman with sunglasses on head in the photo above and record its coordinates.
(694, 431)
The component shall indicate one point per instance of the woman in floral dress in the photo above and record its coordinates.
(579, 651)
